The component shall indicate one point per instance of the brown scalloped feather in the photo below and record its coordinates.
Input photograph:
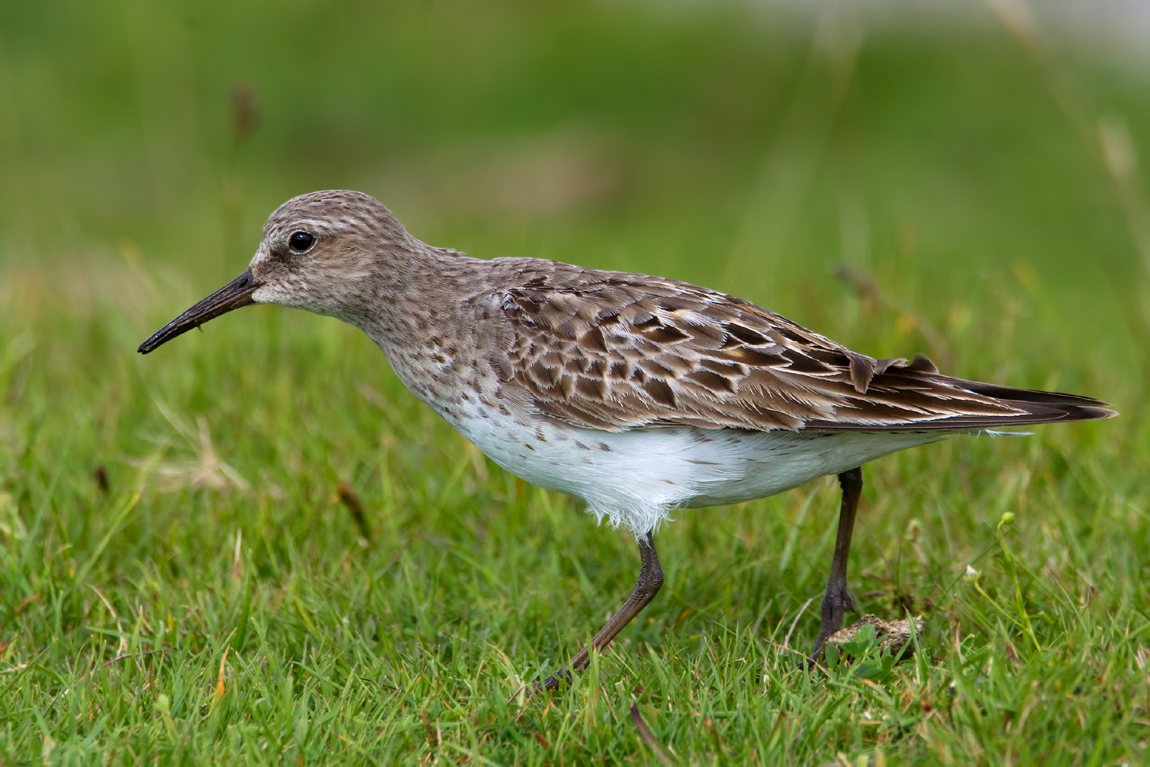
(613, 351)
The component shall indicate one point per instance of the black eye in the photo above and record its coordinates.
(301, 242)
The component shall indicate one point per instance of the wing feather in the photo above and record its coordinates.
(614, 351)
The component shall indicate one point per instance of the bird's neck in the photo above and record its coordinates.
(414, 295)
(429, 335)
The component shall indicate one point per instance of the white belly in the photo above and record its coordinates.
(633, 478)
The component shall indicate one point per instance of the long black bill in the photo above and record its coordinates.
(235, 294)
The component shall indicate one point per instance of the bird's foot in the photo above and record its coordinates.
(836, 602)
(552, 682)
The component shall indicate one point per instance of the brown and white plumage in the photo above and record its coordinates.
(636, 394)
(609, 350)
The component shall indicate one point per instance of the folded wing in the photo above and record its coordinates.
(615, 351)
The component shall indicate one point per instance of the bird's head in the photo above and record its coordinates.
(335, 253)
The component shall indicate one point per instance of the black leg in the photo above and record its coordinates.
(650, 581)
(837, 599)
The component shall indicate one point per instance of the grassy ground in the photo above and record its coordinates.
(180, 580)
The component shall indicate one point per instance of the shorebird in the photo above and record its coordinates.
(636, 394)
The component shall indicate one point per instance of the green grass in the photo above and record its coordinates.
(213, 600)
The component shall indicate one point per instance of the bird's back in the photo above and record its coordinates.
(616, 351)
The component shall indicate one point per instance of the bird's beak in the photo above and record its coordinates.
(235, 294)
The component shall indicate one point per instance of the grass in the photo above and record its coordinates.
(180, 581)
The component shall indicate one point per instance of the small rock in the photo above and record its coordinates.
(894, 636)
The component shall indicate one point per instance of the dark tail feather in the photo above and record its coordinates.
(1039, 406)
(915, 399)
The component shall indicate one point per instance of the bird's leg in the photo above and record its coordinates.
(837, 599)
(650, 581)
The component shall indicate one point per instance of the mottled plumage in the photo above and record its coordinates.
(610, 350)
(637, 394)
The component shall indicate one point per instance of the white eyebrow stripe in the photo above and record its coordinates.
(322, 224)
(329, 224)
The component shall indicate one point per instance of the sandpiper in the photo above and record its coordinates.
(636, 394)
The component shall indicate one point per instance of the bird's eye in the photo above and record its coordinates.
(301, 242)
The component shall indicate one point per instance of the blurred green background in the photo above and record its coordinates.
(742, 147)
(960, 183)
